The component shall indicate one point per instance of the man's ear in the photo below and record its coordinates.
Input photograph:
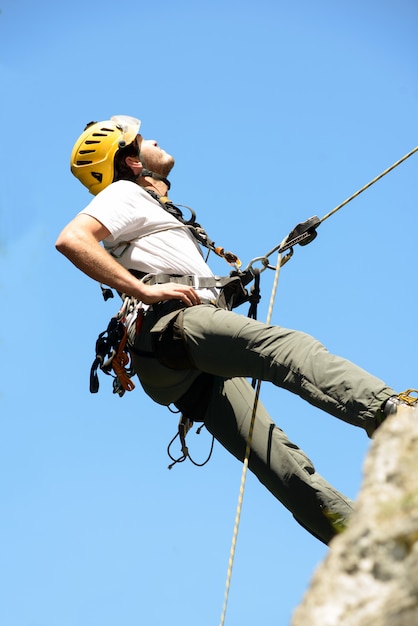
(135, 164)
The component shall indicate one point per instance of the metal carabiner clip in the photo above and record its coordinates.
(264, 262)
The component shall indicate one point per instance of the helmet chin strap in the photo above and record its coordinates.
(155, 176)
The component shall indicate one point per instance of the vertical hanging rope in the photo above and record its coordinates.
(247, 457)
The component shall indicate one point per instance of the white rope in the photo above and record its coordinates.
(246, 458)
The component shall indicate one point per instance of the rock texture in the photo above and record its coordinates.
(370, 575)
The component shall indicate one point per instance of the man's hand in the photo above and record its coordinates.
(150, 294)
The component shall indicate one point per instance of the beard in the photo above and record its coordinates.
(161, 163)
(166, 168)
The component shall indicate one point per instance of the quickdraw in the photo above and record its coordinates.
(112, 354)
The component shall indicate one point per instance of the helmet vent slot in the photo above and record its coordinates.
(103, 132)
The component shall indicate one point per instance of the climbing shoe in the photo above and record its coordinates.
(391, 405)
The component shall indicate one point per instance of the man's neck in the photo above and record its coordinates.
(159, 186)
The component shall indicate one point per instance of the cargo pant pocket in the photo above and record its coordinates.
(168, 342)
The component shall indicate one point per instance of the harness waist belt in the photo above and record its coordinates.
(197, 282)
(232, 288)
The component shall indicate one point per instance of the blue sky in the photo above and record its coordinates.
(275, 111)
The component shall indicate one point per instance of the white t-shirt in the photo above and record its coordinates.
(146, 237)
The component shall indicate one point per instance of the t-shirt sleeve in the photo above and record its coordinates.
(118, 208)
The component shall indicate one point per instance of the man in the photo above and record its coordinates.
(191, 349)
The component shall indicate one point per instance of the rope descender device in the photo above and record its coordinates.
(302, 234)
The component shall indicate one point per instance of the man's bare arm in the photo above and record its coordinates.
(80, 241)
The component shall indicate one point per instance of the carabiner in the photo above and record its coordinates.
(264, 261)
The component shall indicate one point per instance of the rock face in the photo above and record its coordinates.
(370, 575)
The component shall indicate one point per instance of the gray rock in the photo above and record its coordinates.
(370, 575)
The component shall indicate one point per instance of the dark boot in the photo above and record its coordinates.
(390, 407)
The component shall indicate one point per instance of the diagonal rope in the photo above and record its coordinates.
(304, 239)
(369, 184)
(247, 457)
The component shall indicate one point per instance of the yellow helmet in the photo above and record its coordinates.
(92, 157)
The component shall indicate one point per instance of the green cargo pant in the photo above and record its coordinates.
(232, 348)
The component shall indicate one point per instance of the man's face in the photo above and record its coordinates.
(153, 157)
